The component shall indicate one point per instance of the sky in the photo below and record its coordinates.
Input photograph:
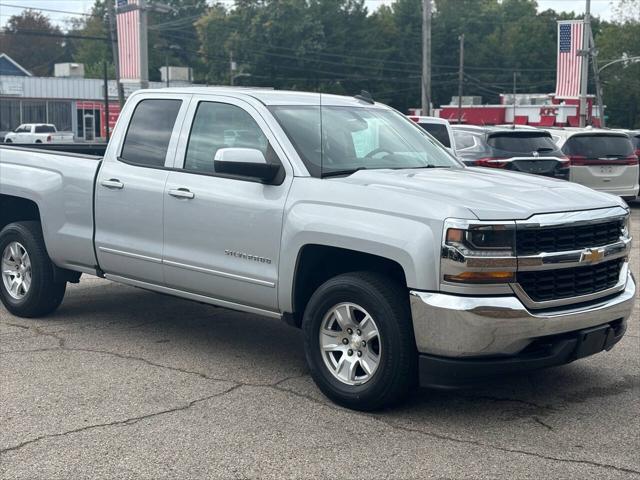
(601, 8)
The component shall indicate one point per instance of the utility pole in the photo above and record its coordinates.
(144, 47)
(586, 29)
(426, 57)
(106, 99)
(111, 12)
(515, 74)
(460, 77)
(596, 77)
(232, 68)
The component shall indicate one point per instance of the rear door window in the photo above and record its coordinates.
(149, 132)
(439, 131)
(599, 146)
(522, 143)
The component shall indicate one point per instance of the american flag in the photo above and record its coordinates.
(569, 65)
(128, 22)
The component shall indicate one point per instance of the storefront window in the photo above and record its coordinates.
(9, 114)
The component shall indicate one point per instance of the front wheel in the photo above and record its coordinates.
(359, 341)
(27, 286)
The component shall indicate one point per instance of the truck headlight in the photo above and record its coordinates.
(478, 252)
(626, 227)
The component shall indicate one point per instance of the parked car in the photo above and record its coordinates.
(517, 149)
(604, 160)
(439, 128)
(399, 263)
(38, 133)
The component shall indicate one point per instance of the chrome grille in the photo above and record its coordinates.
(546, 285)
(531, 241)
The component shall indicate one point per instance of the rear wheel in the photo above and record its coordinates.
(27, 286)
(359, 340)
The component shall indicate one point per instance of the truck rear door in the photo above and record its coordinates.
(130, 189)
(222, 233)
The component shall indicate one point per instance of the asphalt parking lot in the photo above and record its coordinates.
(123, 383)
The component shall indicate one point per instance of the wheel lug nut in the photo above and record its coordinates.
(345, 341)
(364, 344)
(350, 352)
(358, 332)
(359, 353)
(349, 331)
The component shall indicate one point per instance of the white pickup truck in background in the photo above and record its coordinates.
(38, 133)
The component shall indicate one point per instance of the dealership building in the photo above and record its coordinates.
(67, 100)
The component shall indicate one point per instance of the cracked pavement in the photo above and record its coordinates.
(123, 383)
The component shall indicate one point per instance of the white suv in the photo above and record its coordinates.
(604, 160)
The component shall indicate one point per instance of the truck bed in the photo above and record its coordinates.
(61, 185)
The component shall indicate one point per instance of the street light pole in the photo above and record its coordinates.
(586, 28)
(426, 57)
(460, 77)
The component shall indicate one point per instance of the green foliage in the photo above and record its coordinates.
(36, 53)
(339, 46)
(621, 81)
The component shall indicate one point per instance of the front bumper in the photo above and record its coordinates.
(455, 328)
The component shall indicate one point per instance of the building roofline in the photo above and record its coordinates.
(16, 64)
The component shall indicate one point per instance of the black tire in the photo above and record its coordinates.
(38, 141)
(8, 141)
(44, 295)
(388, 304)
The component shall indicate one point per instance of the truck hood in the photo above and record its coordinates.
(489, 194)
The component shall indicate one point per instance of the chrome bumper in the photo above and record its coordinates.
(458, 326)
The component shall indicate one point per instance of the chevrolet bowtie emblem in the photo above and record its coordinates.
(591, 255)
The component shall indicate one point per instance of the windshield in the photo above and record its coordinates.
(358, 138)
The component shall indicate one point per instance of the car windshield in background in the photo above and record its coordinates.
(439, 131)
(333, 140)
(525, 143)
(599, 146)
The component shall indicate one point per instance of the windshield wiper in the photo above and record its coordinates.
(337, 173)
(545, 149)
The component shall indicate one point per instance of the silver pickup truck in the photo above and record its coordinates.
(336, 214)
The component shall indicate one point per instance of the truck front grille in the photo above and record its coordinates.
(560, 239)
(546, 285)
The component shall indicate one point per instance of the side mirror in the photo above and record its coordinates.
(245, 162)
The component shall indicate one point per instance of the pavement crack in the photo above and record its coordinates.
(125, 422)
(24, 327)
(449, 438)
(60, 339)
(511, 400)
(545, 425)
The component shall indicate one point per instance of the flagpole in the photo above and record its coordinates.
(586, 29)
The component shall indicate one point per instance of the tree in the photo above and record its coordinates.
(621, 81)
(92, 53)
(32, 41)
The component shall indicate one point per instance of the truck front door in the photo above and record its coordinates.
(222, 233)
(130, 190)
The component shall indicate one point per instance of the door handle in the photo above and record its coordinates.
(182, 193)
(112, 183)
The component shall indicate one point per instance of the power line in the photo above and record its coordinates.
(46, 10)
(36, 33)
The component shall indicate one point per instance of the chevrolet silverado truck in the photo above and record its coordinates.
(339, 215)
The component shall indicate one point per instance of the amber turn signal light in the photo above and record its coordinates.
(481, 277)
